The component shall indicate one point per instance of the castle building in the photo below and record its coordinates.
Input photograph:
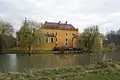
(59, 34)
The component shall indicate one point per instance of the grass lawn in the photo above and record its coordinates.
(98, 71)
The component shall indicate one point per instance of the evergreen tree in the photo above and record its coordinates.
(30, 36)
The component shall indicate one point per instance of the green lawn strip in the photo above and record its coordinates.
(42, 51)
(105, 71)
(26, 52)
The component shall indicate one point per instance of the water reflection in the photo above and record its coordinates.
(8, 62)
(13, 62)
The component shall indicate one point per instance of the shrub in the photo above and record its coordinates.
(62, 49)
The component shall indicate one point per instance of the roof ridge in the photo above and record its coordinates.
(59, 25)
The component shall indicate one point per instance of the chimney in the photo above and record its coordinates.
(59, 22)
(25, 18)
(66, 22)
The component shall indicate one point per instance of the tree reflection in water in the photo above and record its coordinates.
(14, 62)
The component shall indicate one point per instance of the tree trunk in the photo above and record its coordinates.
(0, 43)
(103, 57)
(29, 49)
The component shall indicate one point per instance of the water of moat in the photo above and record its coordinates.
(13, 62)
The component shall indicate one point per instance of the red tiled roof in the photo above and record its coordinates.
(58, 26)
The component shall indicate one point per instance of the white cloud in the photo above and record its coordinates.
(80, 13)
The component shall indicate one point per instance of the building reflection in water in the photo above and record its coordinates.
(13, 62)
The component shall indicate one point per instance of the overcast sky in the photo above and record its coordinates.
(79, 13)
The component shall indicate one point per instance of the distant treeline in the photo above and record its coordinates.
(91, 39)
(112, 39)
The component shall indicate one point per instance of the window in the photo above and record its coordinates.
(56, 33)
(18, 45)
(66, 44)
(46, 40)
(51, 40)
(66, 34)
(52, 33)
(56, 44)
(66, 39)
(73, 34)
(56, 39)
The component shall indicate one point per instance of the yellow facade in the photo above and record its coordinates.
(74, 43)
(63, 37)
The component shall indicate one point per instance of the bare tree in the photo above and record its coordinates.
(5, 28)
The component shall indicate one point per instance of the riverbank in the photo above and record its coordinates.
(26, 52)
(106, 50)
(40, 52)
(99, 71)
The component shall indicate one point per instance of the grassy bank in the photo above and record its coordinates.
(26, 52)
(99, 71)
(38, 51)
(47, 52)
